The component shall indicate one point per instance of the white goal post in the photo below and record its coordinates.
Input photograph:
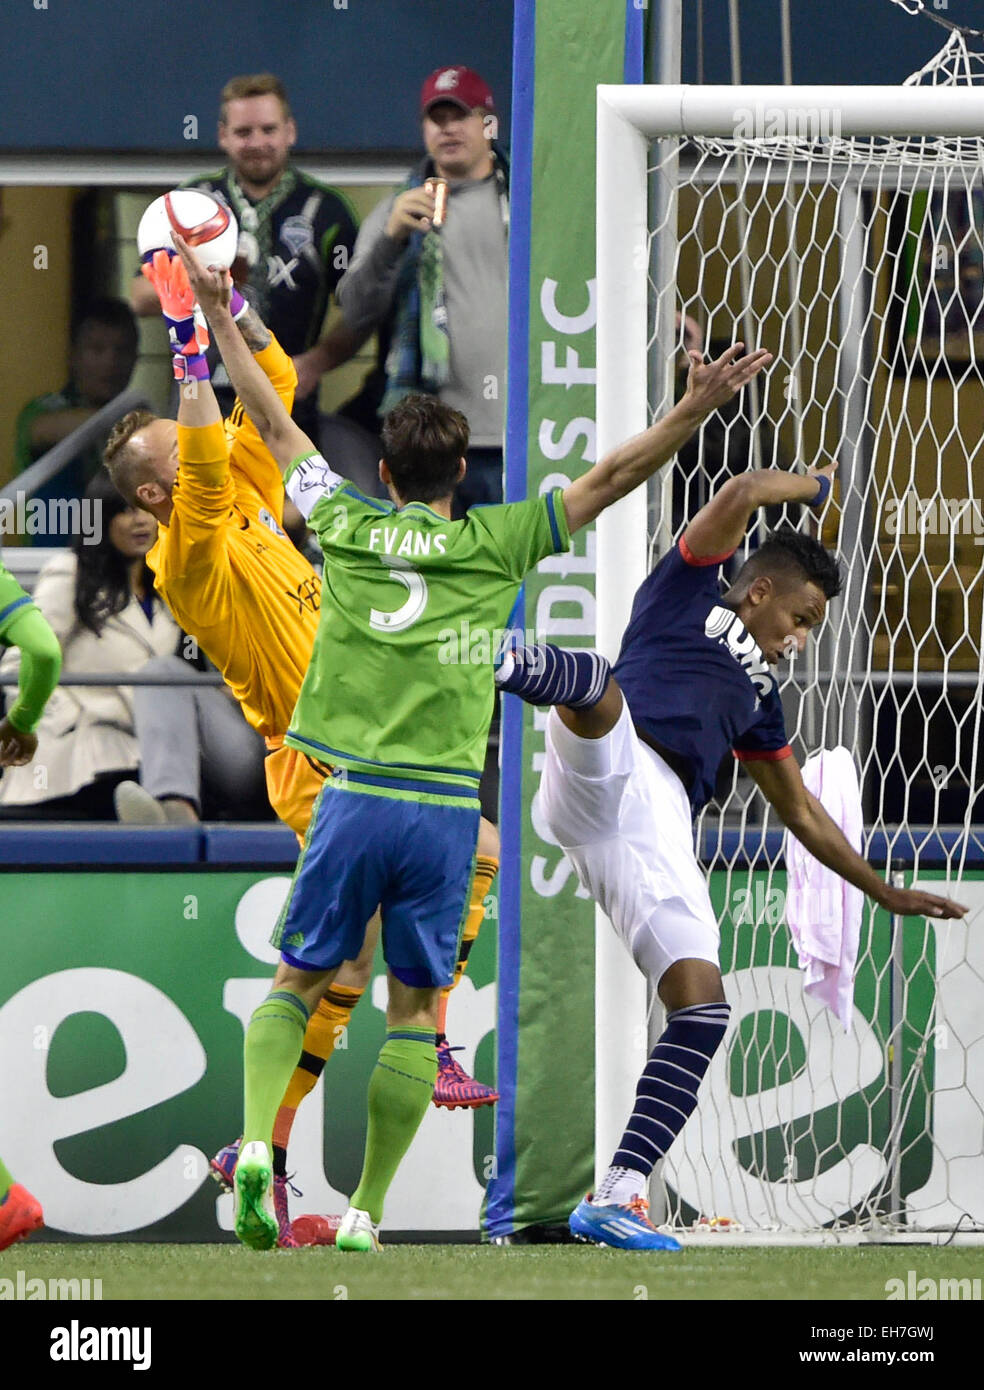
(637, 328)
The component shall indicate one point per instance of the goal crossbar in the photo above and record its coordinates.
(656, 110)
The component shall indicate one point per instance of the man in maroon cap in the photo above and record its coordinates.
(437, 293)
(435, 289)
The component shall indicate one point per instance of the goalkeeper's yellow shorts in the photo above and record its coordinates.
(293, 783)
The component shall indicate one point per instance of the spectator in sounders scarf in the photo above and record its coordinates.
(437, 294)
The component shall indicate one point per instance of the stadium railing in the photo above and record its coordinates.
(50, 463)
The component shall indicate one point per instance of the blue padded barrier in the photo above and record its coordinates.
(249, 844)
(69, 843)
(63, 843)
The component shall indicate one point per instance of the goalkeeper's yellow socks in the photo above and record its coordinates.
(325, 1028)
(6, 1180)
(400, 1091)
(486, 869)
(270, 1052)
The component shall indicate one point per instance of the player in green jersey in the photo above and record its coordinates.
(22, 626)
(403, 730)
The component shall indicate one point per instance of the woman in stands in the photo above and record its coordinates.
(100, 602)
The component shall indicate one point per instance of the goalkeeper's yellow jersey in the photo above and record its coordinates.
(227, 571)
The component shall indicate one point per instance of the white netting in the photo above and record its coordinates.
(807, 131)
(860, 264)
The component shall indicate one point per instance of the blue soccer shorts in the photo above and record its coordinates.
(413, 859)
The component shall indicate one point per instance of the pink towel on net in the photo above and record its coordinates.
(822, 911)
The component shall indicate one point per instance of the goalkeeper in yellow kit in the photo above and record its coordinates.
(22, 626)
(236, 583)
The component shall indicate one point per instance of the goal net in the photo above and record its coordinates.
(843, 229)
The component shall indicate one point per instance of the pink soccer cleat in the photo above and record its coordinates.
(454, 1089)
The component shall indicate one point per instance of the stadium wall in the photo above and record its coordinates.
(353, 70)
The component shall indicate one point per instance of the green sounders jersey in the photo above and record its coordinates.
(22, 625)
(399, 691)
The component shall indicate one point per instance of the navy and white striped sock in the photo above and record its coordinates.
(549, 675)
(666, 1097)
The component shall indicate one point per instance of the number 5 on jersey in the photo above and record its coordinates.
(408, 613)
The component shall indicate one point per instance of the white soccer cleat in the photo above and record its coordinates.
(358, 1232)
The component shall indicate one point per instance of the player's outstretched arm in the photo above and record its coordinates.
(212, 289)
(197, 406)
(719, 527)
(40, 666)
(709, 386)
(803, 815)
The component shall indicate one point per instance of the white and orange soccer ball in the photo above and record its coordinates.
(205, 224)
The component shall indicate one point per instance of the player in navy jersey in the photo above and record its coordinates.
(631, 758)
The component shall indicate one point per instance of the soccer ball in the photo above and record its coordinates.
(206, 225)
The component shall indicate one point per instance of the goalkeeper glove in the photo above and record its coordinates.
(186, 328)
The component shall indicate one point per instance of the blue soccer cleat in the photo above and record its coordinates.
(623, 1227)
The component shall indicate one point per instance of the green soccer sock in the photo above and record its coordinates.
(400, 1090)
(270, 1052)
(6, 1180)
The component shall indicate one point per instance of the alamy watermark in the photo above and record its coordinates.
(934, 1290)
(480, 646)
(935, 516)
(21, 515)
(810, 123)
(77, 1342)
(768, 905)
(23, 1289)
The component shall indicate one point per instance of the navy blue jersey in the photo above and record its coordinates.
(694, 677)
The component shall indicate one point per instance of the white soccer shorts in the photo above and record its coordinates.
(623, 819)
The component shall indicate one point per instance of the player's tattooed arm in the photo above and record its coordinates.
(781, 782)
(252, 385)
(254, 331)
(709, 385)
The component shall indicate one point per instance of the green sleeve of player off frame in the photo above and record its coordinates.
(40, 666)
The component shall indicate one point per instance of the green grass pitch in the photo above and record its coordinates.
(465, 1272)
